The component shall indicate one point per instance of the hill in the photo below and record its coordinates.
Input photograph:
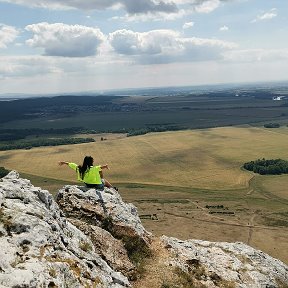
(204, 159)
(100, 242)
(177, 175)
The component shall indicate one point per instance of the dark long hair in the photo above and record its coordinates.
(87, 163)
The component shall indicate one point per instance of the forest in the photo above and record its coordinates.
(37, 121)
(265, 167)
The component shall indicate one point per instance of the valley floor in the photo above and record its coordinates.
(186, 184)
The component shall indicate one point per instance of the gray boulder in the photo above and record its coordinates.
(221, 264)
(104, 209)
(113, 225)
(87, 238)
(40, 248)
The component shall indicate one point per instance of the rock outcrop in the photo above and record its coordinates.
(103, 209)
(113, 225)
(94, 239)
(225, 264)
(40, 248)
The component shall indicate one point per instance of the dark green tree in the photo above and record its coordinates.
(3, 172)
(263, 166)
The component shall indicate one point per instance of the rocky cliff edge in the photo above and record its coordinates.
(89, 238)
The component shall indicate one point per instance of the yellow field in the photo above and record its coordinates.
(208, 158)
(276, 185)
(175, 175)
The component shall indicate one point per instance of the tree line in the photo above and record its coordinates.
(44, 142)
(155, 128)
(17, 134)
(272, 125)
(265, 167)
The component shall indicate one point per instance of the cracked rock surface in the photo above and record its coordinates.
(83, 239)
(40, 248)
(220, 263)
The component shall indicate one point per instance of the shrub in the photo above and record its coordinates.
(137, 250)
(272, 125)
(85, 246)
(3, 172)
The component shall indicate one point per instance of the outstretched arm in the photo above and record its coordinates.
(63, 163)
(69, 164)
(104, 166)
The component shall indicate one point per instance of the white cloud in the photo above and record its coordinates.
(19, 66)
(206, 6)
(201, 6)
(40, 74)
(7, 35)
(166, 46)
(62, 75)
(257, 55)
(188, 25)
(127, 42)
(224, 28)
(31, 66)
(131, 6)
(184, 8)
(145, 6)
(192, 51)
(148, 17)
(266, 15)
(60, 39)
(159, 16)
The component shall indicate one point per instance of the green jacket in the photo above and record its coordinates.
(91, 176)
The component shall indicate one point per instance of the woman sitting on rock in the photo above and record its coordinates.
(91, 175)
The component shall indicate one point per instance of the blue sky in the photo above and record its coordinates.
(57, 46)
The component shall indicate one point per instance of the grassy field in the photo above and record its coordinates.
(175, 175)
(208, 158)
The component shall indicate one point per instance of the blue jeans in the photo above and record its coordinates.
(96, 186)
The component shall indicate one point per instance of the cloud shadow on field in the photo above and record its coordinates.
(4, 157)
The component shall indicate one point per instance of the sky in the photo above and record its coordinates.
(62, 46)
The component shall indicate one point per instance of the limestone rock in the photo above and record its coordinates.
(40, 248)
(109, 248)
(86, 241)
(104, 209)
(228, 264)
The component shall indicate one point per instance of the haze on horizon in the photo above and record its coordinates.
(62, 46)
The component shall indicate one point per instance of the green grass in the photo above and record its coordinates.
(164, 201)
(274, 222)
(203, 165)
(208, 159)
